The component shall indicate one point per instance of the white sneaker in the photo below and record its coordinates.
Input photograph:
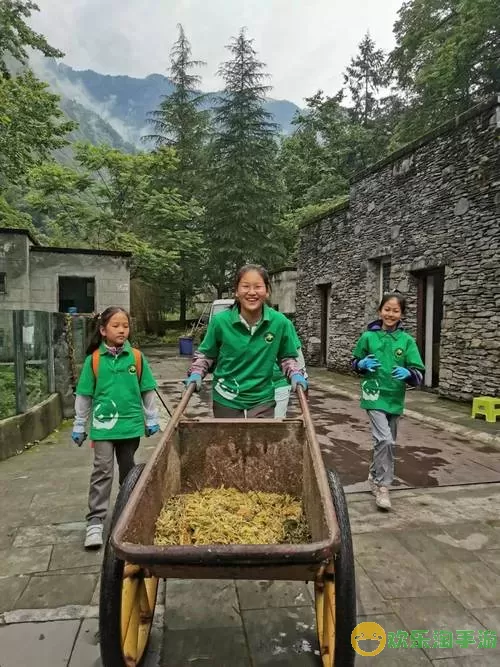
(382, 498)
(373, 486)
(93, 537)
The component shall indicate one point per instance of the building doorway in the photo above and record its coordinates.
(324, 295)
(429, 319)
(76, 293)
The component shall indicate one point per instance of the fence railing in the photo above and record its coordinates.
(40, 353)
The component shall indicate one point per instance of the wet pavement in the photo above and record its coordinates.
(432, 564)
(426, 455)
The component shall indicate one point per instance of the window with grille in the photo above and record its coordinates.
(385, 276)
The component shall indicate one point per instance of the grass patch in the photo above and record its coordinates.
(36, 388)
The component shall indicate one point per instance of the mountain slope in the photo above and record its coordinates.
(92, 127)
(124, 101)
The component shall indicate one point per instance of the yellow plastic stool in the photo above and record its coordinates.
(487, 406)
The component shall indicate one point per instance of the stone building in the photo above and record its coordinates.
(425, 221)
(35, 277)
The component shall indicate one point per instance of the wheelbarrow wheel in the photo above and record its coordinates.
(127, 598)
(335, 591)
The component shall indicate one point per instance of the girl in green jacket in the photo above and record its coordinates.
(115, 392)
(388, 360)
(241, 348)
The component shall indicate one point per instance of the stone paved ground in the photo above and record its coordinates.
(434, 563)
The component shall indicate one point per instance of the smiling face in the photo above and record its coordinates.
(251, 293)
(116, 330)
(368, 638)
(390, 313)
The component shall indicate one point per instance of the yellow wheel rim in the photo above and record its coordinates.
(137, 611)
(324, 598)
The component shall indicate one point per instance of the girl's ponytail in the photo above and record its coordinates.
(96, 337)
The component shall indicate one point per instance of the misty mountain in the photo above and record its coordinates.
(92, 127)
(123, 102)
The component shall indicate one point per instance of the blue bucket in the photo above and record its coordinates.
(186, 346)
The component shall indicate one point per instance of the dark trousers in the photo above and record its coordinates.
(101, 479)
(265, 411)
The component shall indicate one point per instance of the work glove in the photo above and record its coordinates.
(369, 363)
(298, 379)
(194, 378)
(78, 438)
(401, 373)
(151, 430)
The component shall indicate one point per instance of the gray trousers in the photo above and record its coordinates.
(265, 411)
(101, 479)
(384, 431)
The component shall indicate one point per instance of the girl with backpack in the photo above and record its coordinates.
(242, 346)
(116, 390)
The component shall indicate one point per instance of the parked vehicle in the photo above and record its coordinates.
(219, 305)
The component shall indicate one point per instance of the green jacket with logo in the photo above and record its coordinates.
(379, 390)
(117, 410)
(243, 361)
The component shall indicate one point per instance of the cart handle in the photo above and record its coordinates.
(304, 405)
(306, 414)
(183, 402)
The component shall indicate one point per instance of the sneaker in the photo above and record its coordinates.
(93, 537)
(382, 498)
(373, 486)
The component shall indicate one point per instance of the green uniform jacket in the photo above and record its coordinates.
(117, 411)
(244, 362)
(379, 390)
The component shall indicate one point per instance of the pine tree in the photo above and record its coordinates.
(181, 124)
(178, 121)
(365, 76)
(245, 192)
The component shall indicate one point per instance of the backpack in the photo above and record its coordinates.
(137, 356)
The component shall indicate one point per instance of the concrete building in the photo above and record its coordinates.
(425, 221)
(283, 286)
(35, 277)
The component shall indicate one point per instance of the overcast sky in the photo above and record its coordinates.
(305, 44)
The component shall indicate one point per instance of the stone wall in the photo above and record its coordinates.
(433, 204)
(111, 273)
(283, 286)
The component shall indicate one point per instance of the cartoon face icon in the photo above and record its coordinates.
(105, 415)
(373, 637)
(370, 390)
(228, 388)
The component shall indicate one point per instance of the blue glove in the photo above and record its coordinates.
(298, 379)
(78, 438)
(369, 363)
(151, 430)
(194, 378)
(401, 373)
